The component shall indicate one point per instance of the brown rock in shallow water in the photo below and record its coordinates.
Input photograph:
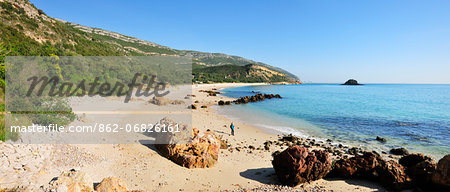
(442, 174)
(110, 184)
(256, 98)
(297, 165)
(72, 181)
(399, 151)
(381, 139)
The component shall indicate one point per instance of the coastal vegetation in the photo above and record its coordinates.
(28, 31)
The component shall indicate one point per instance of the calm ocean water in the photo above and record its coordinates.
(416, 117)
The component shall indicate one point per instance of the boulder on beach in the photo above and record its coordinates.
(111, 184)
(72, 181)
(441, 176)
(393, 176)
(201, 152)
(351, 82)
(363, 166)
(371, 166)
(419, 167)
(297, 165)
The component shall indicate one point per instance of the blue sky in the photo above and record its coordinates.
(382, 41)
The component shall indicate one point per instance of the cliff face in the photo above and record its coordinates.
(27, 30)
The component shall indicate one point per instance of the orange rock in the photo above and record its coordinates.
(201, 152)
(72, 181)
(112, 184)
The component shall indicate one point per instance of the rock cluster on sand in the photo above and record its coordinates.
(198, 150)
(161, 101)
(297, 165)
(210, 92)
(351, 82)
(412, 171)
(78, 181)
(256, 98)
(371, 166)
(72, 181)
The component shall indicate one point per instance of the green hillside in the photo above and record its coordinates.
(26, 30)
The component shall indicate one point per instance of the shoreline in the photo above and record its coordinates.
(262, 135)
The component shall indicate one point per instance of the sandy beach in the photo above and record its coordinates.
(143, 168)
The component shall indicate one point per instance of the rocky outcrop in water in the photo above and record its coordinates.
(399, 151)
(351, 82)
(221, 102)
(381, 139)
(256, 98)
(297, 165)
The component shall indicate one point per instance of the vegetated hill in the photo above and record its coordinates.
(26, 30)
(234, 73)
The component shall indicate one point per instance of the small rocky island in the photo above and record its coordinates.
(351, 82)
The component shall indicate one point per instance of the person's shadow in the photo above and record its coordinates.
(262, 175)
(217, 131)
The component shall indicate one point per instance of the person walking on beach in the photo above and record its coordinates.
(232, 128)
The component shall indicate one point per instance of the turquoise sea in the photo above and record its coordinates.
(416, 117)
